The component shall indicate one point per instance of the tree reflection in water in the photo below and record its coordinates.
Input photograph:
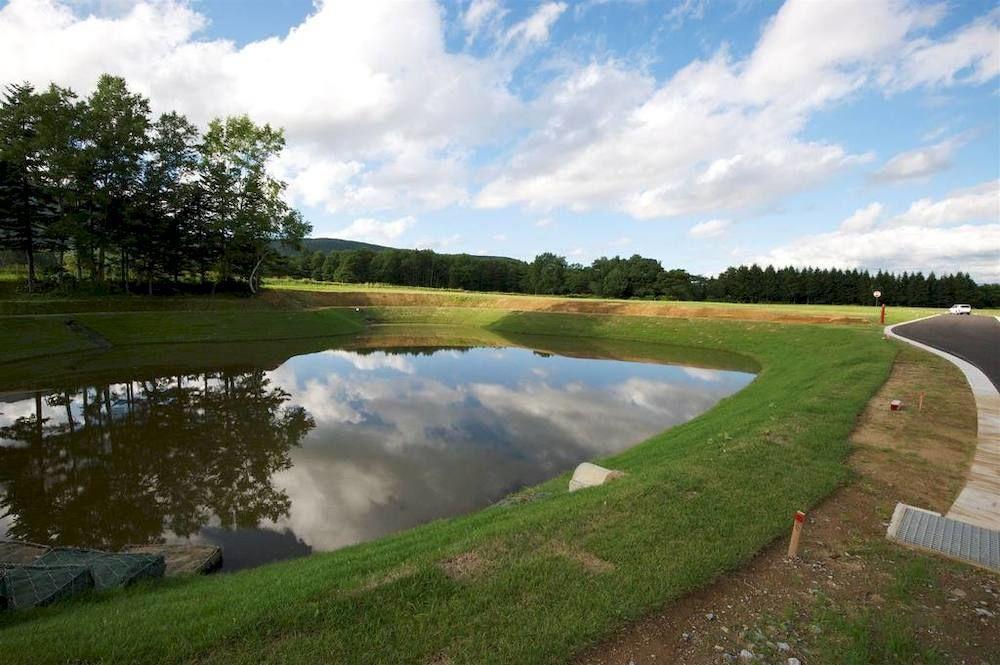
(114, 464)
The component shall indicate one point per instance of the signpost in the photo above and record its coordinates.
(878, 294)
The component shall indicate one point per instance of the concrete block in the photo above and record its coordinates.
(591, 475)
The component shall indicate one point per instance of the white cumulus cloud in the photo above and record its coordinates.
(710, 228)
(381, 116)
(371, 230)
(377, 112)
(918, 163)
(960, 232)
(863, 218)
(975, 204)
(722, 133)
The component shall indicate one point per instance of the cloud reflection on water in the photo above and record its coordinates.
(326, 450)
(392, 451)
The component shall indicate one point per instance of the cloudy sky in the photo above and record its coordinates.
(700, 132)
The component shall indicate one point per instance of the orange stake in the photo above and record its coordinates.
(793, 545)
(920, 403)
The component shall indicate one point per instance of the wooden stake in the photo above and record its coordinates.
(920, 404)
(793, 545)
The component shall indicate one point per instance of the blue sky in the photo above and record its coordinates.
(702, 133)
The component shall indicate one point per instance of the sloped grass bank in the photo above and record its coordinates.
(544, 574)
(35, 348)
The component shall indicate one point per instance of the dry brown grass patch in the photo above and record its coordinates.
(381, 580)
(589, 561)
(527, 303)
(465, 565)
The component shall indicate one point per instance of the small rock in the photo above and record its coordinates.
(746, 655)
(983, 612)
(783, 646)
(718, 648)
(686, 636)
(958, 593)
(794, 661)
(728, 657)
(710, 616)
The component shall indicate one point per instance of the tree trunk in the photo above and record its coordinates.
(253, 276)
(124, 269)
(30, 251)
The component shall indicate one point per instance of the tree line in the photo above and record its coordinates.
(99, 190)
(638, 277)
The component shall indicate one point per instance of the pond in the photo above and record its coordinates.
(325, 449)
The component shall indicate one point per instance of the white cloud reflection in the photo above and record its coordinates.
(391, 451)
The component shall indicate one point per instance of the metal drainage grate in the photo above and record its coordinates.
(930, 531)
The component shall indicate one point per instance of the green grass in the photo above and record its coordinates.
(37, 341)
(888, 635)
(870, 636)
(698, 500)
(32, 337)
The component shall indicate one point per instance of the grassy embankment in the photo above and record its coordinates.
(284, 293)
(870, 314)
(534, 580)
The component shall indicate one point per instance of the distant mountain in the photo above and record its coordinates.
(337, 245)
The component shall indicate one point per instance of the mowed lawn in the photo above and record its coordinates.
(540, 577)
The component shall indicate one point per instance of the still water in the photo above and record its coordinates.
(325, 450)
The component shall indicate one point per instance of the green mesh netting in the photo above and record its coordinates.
(27, 586)
(34, 575)
(109, 569)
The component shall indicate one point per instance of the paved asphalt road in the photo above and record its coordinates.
(975, 339)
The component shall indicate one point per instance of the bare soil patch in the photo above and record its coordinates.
(851, 596)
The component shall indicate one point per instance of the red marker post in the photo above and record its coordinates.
(793, 545)
(883, 314)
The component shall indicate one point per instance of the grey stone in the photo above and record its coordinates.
(783, 646)
(746, 655)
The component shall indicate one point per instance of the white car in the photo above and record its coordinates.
(961, 309)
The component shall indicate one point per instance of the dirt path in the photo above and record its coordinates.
(852, 597)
